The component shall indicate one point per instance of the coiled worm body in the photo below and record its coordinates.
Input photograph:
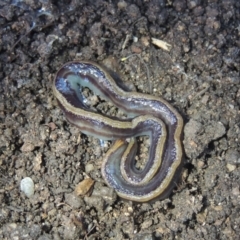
(148, 115)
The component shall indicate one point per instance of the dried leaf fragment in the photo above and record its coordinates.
(164, 45)
(84, 187)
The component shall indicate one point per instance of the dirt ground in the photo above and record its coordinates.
(198, 74)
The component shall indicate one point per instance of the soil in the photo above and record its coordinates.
(199, 76)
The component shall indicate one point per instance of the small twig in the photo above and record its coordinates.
(200, 93)
(139, 19)
(86, 235)
(94, 226)
(39, 13)
(33, 26)
(126, 41)
(128, 36)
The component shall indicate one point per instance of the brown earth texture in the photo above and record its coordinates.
(196, 70)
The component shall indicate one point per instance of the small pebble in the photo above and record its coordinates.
(230, 167)
(27, 147)
(145, 41)
(135, 39)
(89, 167)
(27, 186)
(136, 49)
(122, 5)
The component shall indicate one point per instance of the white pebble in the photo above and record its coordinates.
(135, 39)
(27, 186)
(89, 167)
